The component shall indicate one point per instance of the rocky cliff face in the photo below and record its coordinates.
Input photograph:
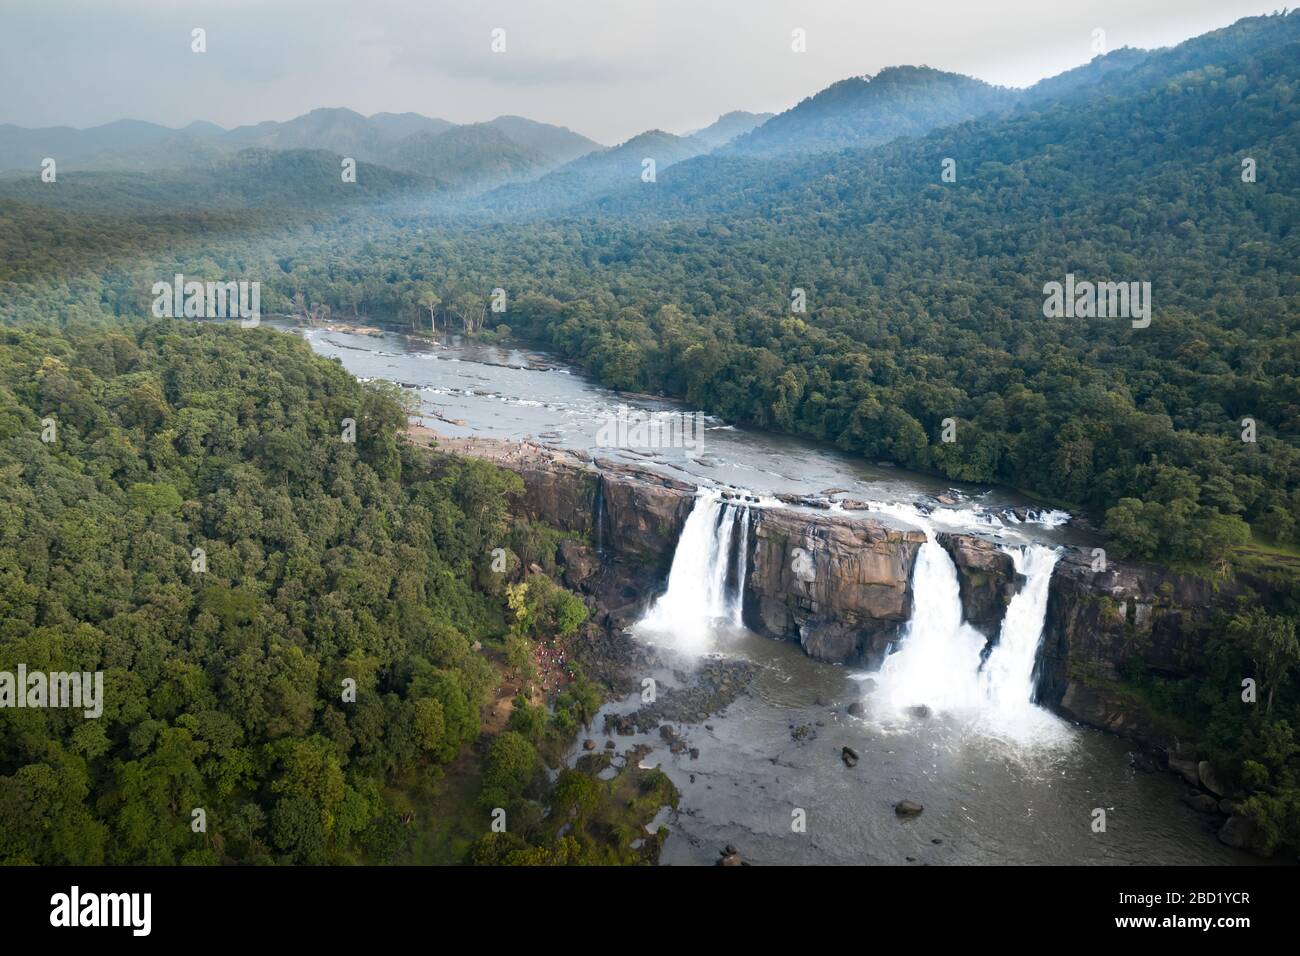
(632, 515)
(840, 584)
(986, 576)
(837, 585)
(1100, 623)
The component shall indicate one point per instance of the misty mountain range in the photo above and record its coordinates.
(515, 152)
(539, 166)
(506, 149)
(515, 165)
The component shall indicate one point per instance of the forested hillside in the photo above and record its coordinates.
(865, 111)
(194, 525)
(924, 297)
(397, 140)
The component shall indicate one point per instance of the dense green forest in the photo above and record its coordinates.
(326, 560)
(194, 525)
(924, 297)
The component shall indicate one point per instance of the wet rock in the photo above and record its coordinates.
(920, 711)
(806, 501)
(1201, 802)
(1189, 770)
(1209, 778)
(802, 732)
(695, 755)
(730, 856)
(856, 709)
(908, 808)
(589, 744)
(849, 756)
(1239, 832)
(837, 584)
(986, 578)
(609, 745)
(1143, 761)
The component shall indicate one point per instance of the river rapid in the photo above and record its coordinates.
(1002, 781)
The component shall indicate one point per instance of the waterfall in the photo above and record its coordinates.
(938, 658)
(698, 597)
(600, 514)
(742, 560)
(940, 664)
(1007, 678)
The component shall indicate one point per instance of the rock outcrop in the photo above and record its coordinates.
(837, 585)
(1127, 617)
(986, 576)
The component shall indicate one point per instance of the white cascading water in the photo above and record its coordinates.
(697, 596)
(1007, 679)
(938, 658)
(938, 662)
(742, 558)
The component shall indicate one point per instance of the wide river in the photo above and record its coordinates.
(768, 777)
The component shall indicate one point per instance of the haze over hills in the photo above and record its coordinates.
(530, 167)
(864, 111)
(404, 141)
(599, 172)
(728, 126)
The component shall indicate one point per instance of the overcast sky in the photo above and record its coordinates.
(606, 68)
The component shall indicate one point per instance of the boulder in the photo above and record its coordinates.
(580, 563)
(1239, 832)
(908, 808)
(986, 579)
(1209, 778)
(849, 756)
(730, 856)
(856, 709)
(1143, 761)
(1201, 802)
(1189, 770)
